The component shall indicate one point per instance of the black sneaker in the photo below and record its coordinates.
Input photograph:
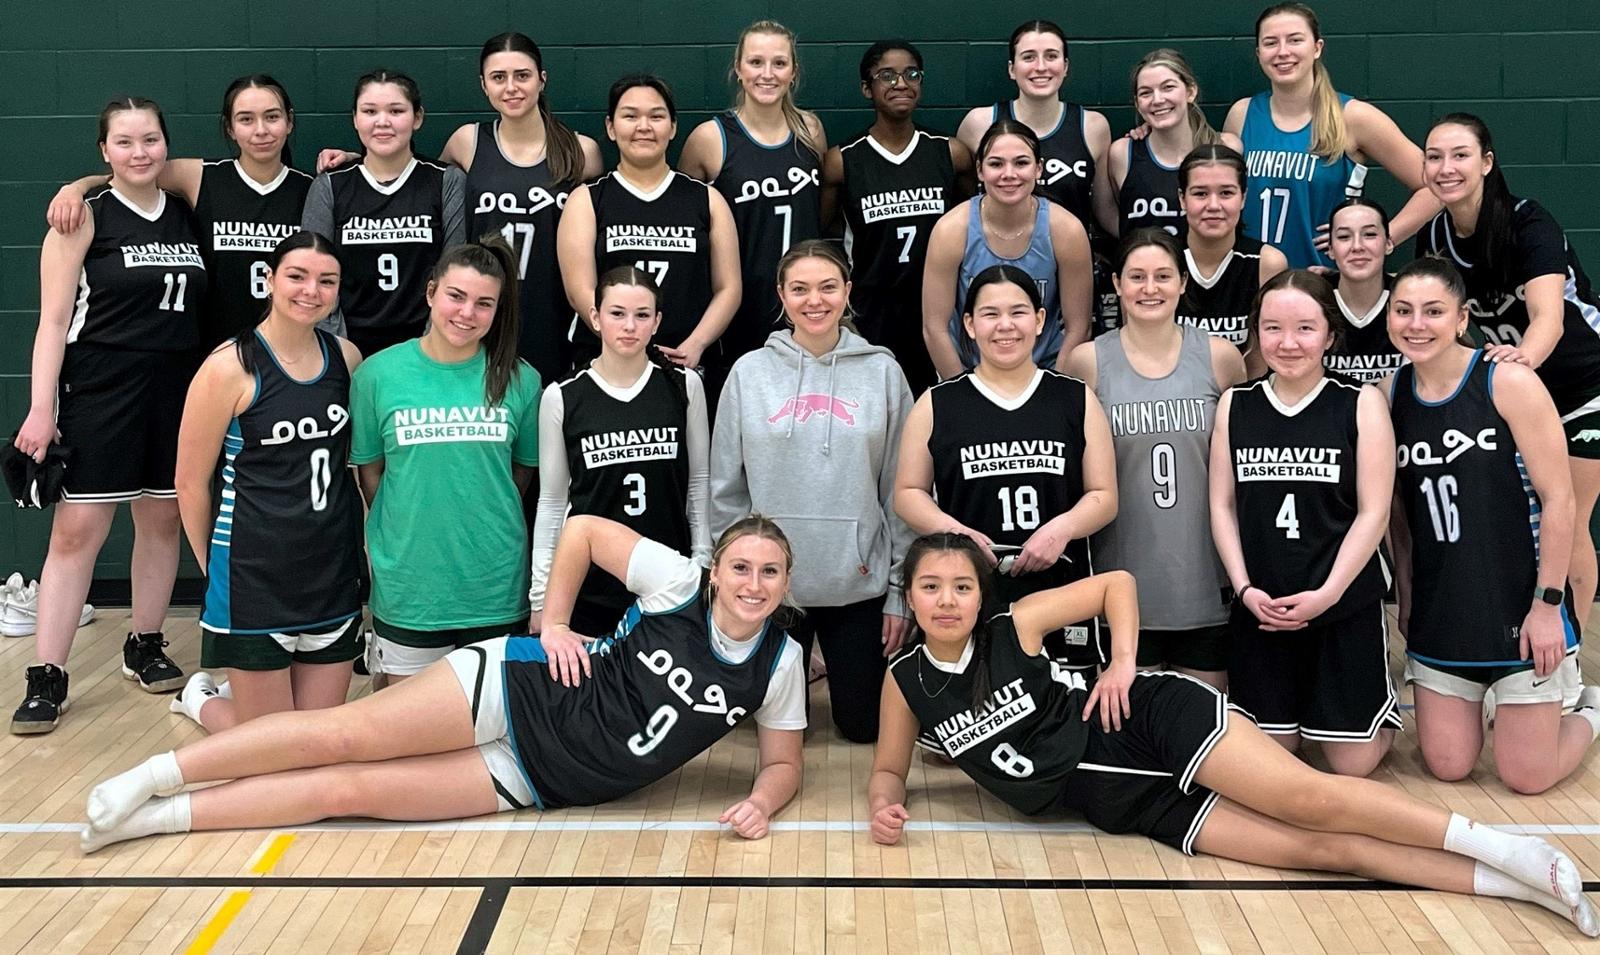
(143, 660)
(41, 709)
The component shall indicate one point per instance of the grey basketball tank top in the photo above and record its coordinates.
(1161, 430)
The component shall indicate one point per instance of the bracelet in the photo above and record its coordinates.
(1247, 588)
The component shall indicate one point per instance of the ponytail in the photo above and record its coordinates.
(563, 153)
(629, 275)
(944, 542)
(1498, 207)
(1330, 137)
(491, 256)
(793, 116)
(246, 345)
(1200, 128)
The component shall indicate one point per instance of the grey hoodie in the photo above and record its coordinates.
(813, 443)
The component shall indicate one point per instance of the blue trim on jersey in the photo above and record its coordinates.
(722, 134)
(754, 141)
(765, 625)
(217, 611)
(295, 628)
(320, 344)
(521, 654)
(1476, 357)
(630, 620)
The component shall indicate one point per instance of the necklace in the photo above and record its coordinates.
(1006, 236)
(924, 683)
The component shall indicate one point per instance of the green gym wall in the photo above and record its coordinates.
(1527, 68)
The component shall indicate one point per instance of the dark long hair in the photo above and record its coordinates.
(648, 81)
(1035, 26)
(1434, 267)
(563, 154)
(491, 256)
(247, 346)
(257, 81)
(946, 542)
(629, 275)
(127, 104)
(1494, 215)
(1006, 126)
(408, 86)
(1160, 238)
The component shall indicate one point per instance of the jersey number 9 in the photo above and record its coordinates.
(388, 272)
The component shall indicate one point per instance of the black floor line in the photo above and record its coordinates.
(500, 884)
(485, 916)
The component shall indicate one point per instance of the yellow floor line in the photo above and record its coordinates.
(267, 857)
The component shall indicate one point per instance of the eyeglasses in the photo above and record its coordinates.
(912, 76)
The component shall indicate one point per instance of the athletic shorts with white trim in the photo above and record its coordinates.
(1328, 682)
(1518, 684)
(1141, 778)
(335, 643)
(118, 410)
(480, 669)
(403, 652)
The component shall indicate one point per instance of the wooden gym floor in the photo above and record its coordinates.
(655, 873)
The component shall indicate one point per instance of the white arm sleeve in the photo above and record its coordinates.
(785, 705)
(699, 442)
(554, 484)
(662, 578)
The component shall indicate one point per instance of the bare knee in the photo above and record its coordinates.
(343, 793)
(76, 533)
(156, 518)
(1330, 852)
(1312, 805)
(1449, 764)
(1523, 772)
(1358, 759)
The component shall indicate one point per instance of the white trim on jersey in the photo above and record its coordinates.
(642, 195)
(161, 204)
(898, 159)
(1288, 410)
(1362, 321)
(259, 188)
(80, 308)
(1203, 281)
(394, 186)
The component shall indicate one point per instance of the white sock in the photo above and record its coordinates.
(1487, 880)
(225, 689)
(154, 816)
(1588, 708)
(200, 690)
(115, 799)
(1529, 859)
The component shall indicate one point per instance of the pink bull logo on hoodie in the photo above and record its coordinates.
(801, 407)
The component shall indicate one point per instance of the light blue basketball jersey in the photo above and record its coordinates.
(1039, 261)
(1290, 191)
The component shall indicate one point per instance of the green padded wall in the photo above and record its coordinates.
(1526, 67)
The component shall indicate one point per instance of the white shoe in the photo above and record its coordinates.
(1488, 708)
(20, 615)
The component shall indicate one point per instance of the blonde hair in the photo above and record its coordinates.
(763, 528)
(1330, 137)
(1199, 126)
(792, 115)
(828, 252)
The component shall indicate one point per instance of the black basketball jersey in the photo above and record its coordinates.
(1023, 740)
(775, 193)
(1364, 352)
(1005, 467)
(1150, 197)
(629, 462)
(1220, 305)
(1294, 473)
(1536, 246)
(659, 696)
(1474, 521)
(667, 233)
(1068, 175)
(524, 206)
(241, 222)
(144, 280)
(286, 549)
(390, 235)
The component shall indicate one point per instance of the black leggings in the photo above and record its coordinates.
(852, 645)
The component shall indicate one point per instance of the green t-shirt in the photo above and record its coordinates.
(446, 534)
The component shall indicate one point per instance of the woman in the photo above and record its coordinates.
(1308, 145)
(1073, 140)
(625, 439)
(1358, 242)
(244, 206)
(1164, 756)
(516, 722)
(1475, 438)
(1015, 457)
(119, 304)
(646, 215)
(1007, 225)
(1527, 293)
(764, 156)
(891, 184)
(1302, 471)
(1225, 269)
(1159, 382)
(391, 215)
(1138, 188)
(807, 432)
(282, 609)
(445, 438)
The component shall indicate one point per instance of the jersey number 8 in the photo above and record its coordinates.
(1011, 762)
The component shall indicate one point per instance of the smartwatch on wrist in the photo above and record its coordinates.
(1554, 596)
